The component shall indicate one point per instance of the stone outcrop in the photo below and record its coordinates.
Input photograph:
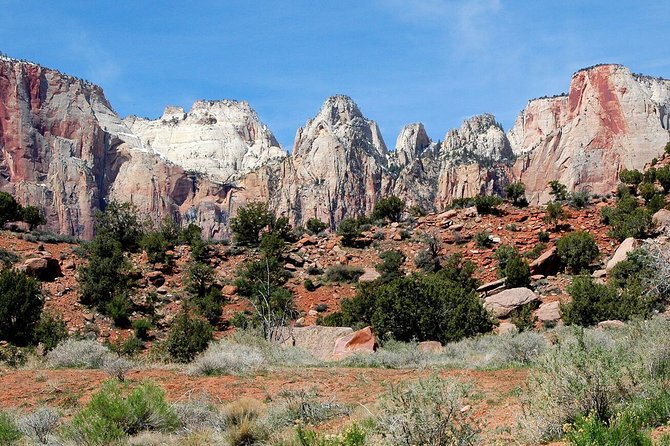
(611, 119)
(621, 253)
(362, 341)
(64, 149)
(223, 139)
(503, 303)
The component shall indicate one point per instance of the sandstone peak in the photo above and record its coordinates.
(339, 109)
(480, 139)
(411, 143)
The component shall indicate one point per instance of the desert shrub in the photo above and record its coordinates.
(353, 435)
(515, 192)
(388, 208)
(417, 211)
(577, 250)
(627, 219)
(502, 255)
(487, 204)
(422, 307)
(483, 239)
(517, 272)
(130, 347)
(243, 426)
(656, 203)
(210, 306)
(188, 336)
(227, 358)
(8, 258)
(663, 178)
(593, 302)
(554, 213)
(350, 230)
(39, 426)
(20, 306)
(523, 318)
(249, 221)
(579, 199)
(428, 259)
(142, 327)
(78, 354)
(302, 407)
(315, 226)
(156, 245)
(119, 309)
(272, 244)
(110, 416)
(13, 356)
(33, 216)
(121, 222)
(50, 331)
(241, 320)
(647, 191)
(10, 210)
(9, 433)
(558, 190)
(536, 251)
(632, 176)
(427, 412)
(107, 273)
(598, 374)
(309, 285)
(391, 265)
(343, 273)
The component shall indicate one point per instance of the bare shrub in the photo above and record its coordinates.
(40, 425)
(225, 357)
(427, 411)
(81, 354)
(117, 367)
(303, 406)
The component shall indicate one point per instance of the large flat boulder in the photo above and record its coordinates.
(361, 341)
(547, 263)
(315, 339)
(549, 312)
(661, 220)
(622, 252)
(503, 303)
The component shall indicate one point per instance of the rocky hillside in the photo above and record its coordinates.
(64, 149)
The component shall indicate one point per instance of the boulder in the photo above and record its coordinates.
(506, 328)
(229, 290)
(156, 278)
(661, 220)
(547, 263)
(44, 267)
(361, 341)
(430, 347)
(315, 339)
(614, 324)
(369, 275)
(622, 252)
(502, 304)
(491, 285)
(549, 312)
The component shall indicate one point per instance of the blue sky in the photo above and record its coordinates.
(433, 61)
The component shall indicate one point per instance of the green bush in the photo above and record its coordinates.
(350, 230)
(121, 222)
(156, 246)
(8, 258)
(351, 436)
(558, 190)
(188, 336)
(9, 433)
(389, 208)
(579, 199)
(593, 302)
(343, 273)
(647, 191)
(309, 285)
(535, 252)
(50, 331)
(391, 265)
(315, 226)
(632, 177)
(543, 236)
(502, 255)
(20, 307)
(107, 273)
(142, 327)
(417, 211)
(517, 272)
(487, 204)
(515, 192)
(627, 219)
(110, 416)
(483, 239)
(577, 250)
(272, 244)
(249, 222)
(663, 177)
(33, 216)
(9, 208)
(523, 318)
(554, 213)
(119, 309)
(210, 306)
(441, 307)
(656, 203)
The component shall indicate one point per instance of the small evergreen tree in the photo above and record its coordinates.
(390, 208)
(9, 208)
(188, 336)
(33, 216)
(350, 230)
(20, 306)
(249, 222)
(558, 190)
(577, 250)
(315, 226)
(515, 192)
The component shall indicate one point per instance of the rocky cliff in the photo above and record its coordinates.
(64, 149)
(611, 119)
(223, 139)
